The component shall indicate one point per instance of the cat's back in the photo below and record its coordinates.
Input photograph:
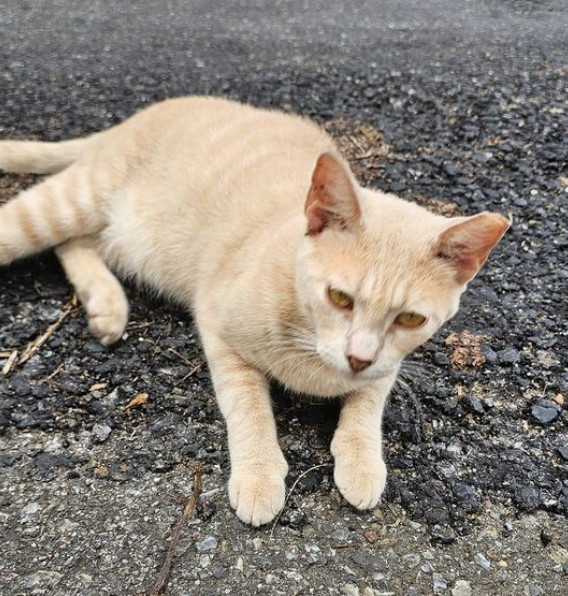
(204, 176)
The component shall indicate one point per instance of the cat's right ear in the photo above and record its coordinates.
(332, 200)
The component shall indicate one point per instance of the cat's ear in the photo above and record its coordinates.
(466, 245)
(331, 200)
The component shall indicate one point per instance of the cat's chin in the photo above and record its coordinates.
(368, 376)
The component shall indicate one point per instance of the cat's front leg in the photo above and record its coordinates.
(258, 467)
(360, 472)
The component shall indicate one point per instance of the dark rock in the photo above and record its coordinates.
(545, 537)
(544, 415)
(474, 404)
(527, 498)
(509, 356)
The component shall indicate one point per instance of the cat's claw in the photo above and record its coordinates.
(107, 311)
(256, 497)
(360, 478)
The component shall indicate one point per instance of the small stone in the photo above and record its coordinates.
(31, 509)
(439, 584)
(350, 590)
(412, 560)
(440, 358)
(101, 431)
(509, 356)
(533, 590)
(462, 588)
(427, 568)
(527, 497)
(563, 450)
(544, 414)
(474, 404)
(208, 543)
(482, 561)
(545, 537)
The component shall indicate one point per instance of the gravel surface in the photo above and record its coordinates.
(471, 99)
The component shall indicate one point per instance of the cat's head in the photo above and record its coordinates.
(376, 275)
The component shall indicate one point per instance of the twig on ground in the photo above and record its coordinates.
(37, 343)
(188, 512)
(192, 372)
(292, 488)
(55, 372)
(10, 363)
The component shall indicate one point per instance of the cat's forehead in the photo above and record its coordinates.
(398, 224)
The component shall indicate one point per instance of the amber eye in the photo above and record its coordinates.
(409, 320)
(340, 299)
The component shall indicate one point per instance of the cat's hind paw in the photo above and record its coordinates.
(257, 497)
(107, 310)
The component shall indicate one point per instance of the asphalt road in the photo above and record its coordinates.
(471, 97)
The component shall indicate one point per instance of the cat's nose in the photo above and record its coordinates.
(357, 365)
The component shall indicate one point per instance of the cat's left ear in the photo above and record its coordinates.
(331, 200)
(466, 245)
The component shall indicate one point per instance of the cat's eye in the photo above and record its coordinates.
(410, 320)
(340, 299)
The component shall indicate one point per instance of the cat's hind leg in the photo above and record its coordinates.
(98, 289)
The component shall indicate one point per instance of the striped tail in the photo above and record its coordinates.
(35, 157)
(59, 208)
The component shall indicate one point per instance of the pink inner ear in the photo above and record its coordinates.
(331, 199)
(467, 245)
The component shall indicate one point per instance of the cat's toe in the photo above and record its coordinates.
(108, 316)
(257, 498)
(361, 480)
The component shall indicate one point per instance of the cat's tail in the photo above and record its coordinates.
(37, 157)
(62, 207)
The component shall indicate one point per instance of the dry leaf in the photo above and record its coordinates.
(97, 386)
(371, 536)
(139, 400)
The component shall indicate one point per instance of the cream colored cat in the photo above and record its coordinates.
(293, 271)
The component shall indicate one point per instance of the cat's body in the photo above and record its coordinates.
(205, 200)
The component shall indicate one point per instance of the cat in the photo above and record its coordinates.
(292, 271)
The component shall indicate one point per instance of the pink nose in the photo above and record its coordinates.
(358, 365)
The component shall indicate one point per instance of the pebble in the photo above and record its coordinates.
(474, 404)
(509, 356)
(439, 584)
(543, 414)
(411, 560)
(101, 431)
(31, 509)
(462, 588)
(350, 590)
(208, 543)
(482, 561)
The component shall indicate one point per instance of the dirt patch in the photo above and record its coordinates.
(466, 349)
(362, 144)
(366, 150)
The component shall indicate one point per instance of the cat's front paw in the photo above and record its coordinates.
(257, 496)
(360, 475)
